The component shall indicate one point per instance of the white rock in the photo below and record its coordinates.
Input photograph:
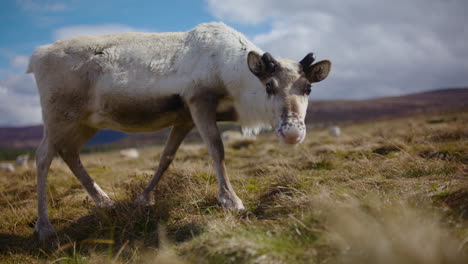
(231, 135)
(22, 160)
(335, 131)
(7, 167)
(130, 153)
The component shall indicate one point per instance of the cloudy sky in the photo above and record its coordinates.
(378, 47)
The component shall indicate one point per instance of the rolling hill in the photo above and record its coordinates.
(389, 191)
(321, 113)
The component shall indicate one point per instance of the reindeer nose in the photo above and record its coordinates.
(291, 131)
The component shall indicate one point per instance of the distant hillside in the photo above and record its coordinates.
(327, 112)
(319, 113)
(20, 137)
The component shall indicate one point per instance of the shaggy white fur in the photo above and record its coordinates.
(142, 65)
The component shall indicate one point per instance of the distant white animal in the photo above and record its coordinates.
(131, 153)
(142, 82)
(335, 131)
(231, 135)
(8, 167)
(22, 160)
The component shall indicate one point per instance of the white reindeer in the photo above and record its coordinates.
(139, 82)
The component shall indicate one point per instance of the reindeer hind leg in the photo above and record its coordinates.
(44, 155)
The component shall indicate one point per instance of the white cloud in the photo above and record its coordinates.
(243, 11)
(3, 90)
(378, 48)
(77, 30)
(20, 61)
(19, 101)
(42, 5)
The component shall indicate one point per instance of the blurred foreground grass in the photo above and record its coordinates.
(392, 191)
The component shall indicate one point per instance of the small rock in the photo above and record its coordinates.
(22, 160)
(335, 131)
(231, 135)
(7, 167)
(130, 153)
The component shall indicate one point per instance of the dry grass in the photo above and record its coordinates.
(387, 192)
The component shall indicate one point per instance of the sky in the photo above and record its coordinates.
(378, 47)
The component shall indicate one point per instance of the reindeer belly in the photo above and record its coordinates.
(137, 114)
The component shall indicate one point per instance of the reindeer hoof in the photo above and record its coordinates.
(144, 201)
(44, 232)
(106, 203)
(232, 203)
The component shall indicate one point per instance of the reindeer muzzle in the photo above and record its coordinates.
(291, 130)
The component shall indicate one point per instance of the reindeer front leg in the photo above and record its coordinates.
(203, 111)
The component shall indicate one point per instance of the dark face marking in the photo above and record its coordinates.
(293, 108)
(288, 86)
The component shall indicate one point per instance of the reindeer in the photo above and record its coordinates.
(141, 82)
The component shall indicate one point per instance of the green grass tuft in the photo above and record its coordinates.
(319, 165)
(372, 195)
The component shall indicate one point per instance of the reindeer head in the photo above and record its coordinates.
(287, 87)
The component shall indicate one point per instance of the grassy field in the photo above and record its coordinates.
(393, 191)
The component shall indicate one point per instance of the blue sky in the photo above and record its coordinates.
(378, 47)
(27, 24)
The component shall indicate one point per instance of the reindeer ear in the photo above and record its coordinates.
(262, 66)
(256, 64)
(319, 71)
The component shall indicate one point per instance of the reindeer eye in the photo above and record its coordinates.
(308, 89)
(269, 88)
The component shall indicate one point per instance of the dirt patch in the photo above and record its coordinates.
(450, 135)
(240, 144)
(457, 200)
(458, 155)
(386, 150)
